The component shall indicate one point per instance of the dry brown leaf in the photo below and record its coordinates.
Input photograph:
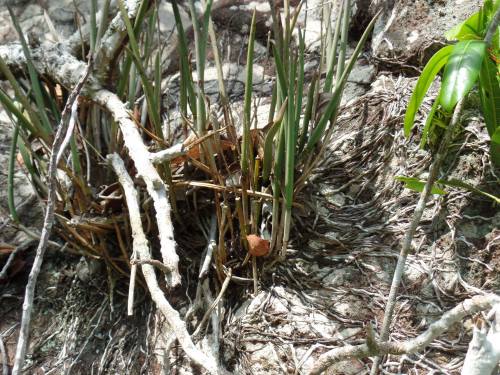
(257, 246)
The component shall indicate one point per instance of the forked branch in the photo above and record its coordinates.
(141, 247)
(373, 347)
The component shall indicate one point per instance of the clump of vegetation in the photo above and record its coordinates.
(246, 181)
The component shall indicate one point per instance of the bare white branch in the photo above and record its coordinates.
(141, 247)
(483, 355)
(29, 295)
(375, 348)
(168, 154)
(146, 170)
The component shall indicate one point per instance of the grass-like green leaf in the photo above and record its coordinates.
(425, 80)
(332, 52)
(93, 25)
(10, 177)
(38, 92)
(149, 92)
(311, 97)
(343, 40)
(268, 143)
(290, 134)
(416, 184)
(461, 72)
(462, 185)
(428, 123)
(300, 80)
(11, 107)
(187, 89)
(280, 71)
(332, 107)
(247, 109)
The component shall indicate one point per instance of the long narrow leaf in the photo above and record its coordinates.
(428, 123)
(489, 92)
(307, 115)
(10, 177)
(300, 80)
(339, 88)
(35, 82)
(153, 109)
(11, 107)
(462, 185)
(245, 149)
(291, 135)
(425, 80)
(35, 125)
(186, 77)
(416, 184)
(268, 143)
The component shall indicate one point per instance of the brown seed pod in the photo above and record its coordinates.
(257, 246)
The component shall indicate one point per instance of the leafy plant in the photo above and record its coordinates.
(470, 61)
(241, 175)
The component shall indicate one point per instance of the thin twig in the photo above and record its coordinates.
(168, 154)
(410, 233)
(214, 304)
(47, 225)
(154, 184)
(10, 259)
(151, 262)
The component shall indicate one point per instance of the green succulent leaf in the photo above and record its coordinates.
(428, 75)
(489, 93)
(416, 184)
(469, 29)
(461, 72)
(476, 25)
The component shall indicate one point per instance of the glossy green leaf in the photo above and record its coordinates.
(461, 72)
(469, 29)
(415, 184)
(476, 25)
(425, 80)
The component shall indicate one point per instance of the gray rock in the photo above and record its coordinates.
(414, 29)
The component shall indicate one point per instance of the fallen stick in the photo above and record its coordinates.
(48, 221)
(141, 247)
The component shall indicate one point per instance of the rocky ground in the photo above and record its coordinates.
(348, 233)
